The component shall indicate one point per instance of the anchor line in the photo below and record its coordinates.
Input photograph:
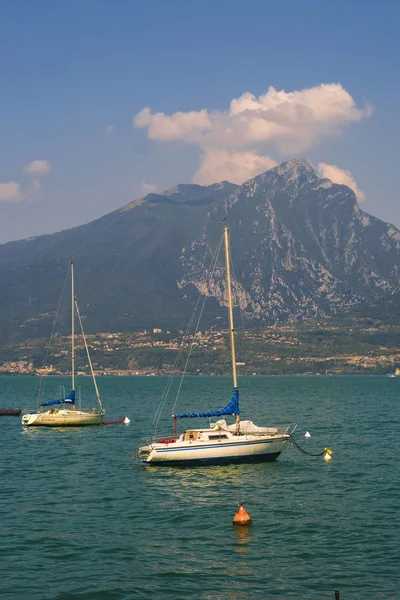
(296, 445)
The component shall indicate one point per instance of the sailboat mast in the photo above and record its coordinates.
(72, 326)
(230, 308)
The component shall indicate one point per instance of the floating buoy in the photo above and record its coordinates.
(307, 435)
(327, 455)
(126, 420)
(242, 517)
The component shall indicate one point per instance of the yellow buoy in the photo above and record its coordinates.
(242, 517)
(327, 455)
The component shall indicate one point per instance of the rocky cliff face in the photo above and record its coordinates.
(301, 247)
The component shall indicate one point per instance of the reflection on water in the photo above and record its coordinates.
(43, 430)
(208, 475)
(243, 537)
(241, 566)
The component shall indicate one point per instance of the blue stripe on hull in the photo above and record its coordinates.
(219, 446)
(223, 460)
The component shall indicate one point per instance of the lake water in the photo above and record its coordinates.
(80, 519)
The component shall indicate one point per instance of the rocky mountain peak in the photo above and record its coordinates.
(292, 176)
(296, 168)
(294, 173)
(301, 247)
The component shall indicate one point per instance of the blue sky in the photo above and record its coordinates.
(70, 70)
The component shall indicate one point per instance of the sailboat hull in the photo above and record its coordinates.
(62, 418)
(235, 451)
(228, 460)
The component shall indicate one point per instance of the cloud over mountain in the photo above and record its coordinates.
(237, 167)
(277, 121)
(341, 176)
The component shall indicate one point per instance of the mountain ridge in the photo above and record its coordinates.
(303, 248)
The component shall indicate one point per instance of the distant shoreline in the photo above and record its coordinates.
(108, 375)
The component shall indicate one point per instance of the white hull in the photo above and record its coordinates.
(63, 418)
(227, 448)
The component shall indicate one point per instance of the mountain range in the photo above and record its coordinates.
(301, 247)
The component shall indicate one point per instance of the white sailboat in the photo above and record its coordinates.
(242, 441)
(69, 415)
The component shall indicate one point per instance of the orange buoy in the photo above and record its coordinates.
(242, 517)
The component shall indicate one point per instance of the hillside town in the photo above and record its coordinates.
(320, 348)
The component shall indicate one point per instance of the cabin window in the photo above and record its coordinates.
(191, 435)
(219, 436)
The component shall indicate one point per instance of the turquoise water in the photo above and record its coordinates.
(80, 519)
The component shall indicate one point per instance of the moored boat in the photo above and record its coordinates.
(221, 443)
(242, 441)
(10, 412)
(68, 415)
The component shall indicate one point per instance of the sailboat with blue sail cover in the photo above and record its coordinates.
(63, 411)
(241, 441)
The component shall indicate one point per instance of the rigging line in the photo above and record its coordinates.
(175, 366)
(183, 345)
(88, 355)
(177, 361)
(213, 264)
(172, 375)
(40, 385)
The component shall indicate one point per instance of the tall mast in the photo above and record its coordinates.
(72, 325)
(231, 325)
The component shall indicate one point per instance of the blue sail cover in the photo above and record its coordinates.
(70, 399)
(231, 409)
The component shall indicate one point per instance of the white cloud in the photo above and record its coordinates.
(10, 192)
(147, 188)
(237, 167)
(13, 191)
(178, 126)
(290, 122)
(340, 176)
(38, 168)
(293, 121)
(109, 129)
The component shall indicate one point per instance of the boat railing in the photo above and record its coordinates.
(146, 442)
(287, 429)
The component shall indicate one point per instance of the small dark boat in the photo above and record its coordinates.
(10, 412)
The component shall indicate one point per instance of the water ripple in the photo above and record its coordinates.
(82, 520)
